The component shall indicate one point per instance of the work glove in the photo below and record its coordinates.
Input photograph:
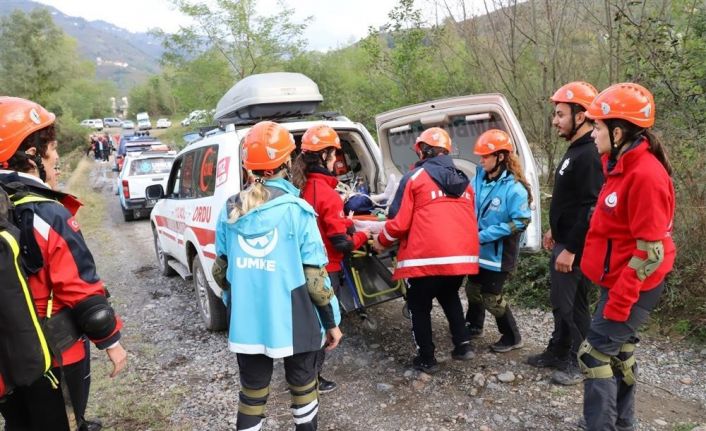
(219, 270)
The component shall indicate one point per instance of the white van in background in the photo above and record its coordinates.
(143, 121)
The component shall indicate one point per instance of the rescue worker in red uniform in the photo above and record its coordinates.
(312, 173)
(60, 269)
(438, 243)
(628, 250)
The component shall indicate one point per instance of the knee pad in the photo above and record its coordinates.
(473, 293)
(495, 304)
(594, 364)
(302, 395)
(625, 363)
(252, 401)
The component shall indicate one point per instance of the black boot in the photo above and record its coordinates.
(511, 338)
(90, 425)
(475, 318)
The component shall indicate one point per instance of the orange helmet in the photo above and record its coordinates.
(626, 101)
(492, 141)
(320, 137)
(266, 146)
(578, 92)
(434, 137)
(19, 118)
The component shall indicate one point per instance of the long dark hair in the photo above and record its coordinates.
(632, 132)
(303, 164)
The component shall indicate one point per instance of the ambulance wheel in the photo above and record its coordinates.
(405, 311)
(211, 307)
(162, 258)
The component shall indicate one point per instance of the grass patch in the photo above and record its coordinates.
(122, 404)
(92, 214)
(684, 427)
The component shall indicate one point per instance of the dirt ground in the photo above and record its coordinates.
(181, 377)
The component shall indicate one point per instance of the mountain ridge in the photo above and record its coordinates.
(121, 56)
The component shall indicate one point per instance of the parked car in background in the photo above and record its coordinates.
(200, 116)
(163, 123)
(131, 145)
(142, 169)
(143, 121)
(112, 122)
(127, 125)
(93, 123)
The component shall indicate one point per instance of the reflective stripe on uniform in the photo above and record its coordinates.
(41, 226)
(448, 260)
(489, 263)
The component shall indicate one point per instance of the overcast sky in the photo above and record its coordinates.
(336, 22)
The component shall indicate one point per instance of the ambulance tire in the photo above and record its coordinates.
(162, 258)
(212, 309)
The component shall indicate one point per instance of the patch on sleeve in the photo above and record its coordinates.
(73, 224)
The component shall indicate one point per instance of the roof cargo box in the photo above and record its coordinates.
(269, 95)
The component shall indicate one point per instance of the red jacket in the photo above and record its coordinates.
(66, 266)
(436, 223)
(320, 193)
(636, 202)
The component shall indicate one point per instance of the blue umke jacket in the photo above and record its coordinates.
(503, 213)
(267, 248)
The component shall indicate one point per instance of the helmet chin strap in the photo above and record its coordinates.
(498, 164)
(574, 127)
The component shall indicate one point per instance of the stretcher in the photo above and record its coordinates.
(367, 281)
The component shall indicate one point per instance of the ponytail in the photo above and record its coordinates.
(657, 149)
(255, 195)
(512, 164)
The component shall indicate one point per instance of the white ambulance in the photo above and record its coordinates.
(207, 172)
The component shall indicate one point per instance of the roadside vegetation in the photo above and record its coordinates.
(524, 50)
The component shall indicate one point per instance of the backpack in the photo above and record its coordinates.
(24, 352)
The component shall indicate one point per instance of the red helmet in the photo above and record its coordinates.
(19, 118)
(578, 92)
(626, 101)
(434, 137)
(320, 137)
(492, 141)
(266, 146)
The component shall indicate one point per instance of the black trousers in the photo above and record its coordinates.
(420, 295)
(256, 373)
(39, 407)
(609, 403)
(569, 299)
(336, 285)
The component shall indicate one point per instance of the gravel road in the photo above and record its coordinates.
(181, 377)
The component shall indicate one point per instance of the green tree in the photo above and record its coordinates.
(249, 42)
(209, 72)
(36, 57)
